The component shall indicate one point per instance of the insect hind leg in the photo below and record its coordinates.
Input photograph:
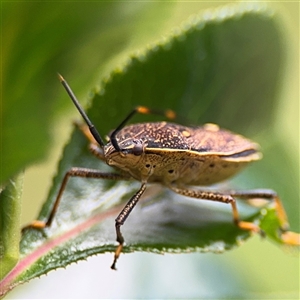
(288, 237)
(219, 197)
(268, 195)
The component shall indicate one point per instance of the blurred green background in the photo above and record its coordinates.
(84, 42)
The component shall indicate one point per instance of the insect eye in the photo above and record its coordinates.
(137, 149)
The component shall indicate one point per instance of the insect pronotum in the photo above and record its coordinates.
(175, 156)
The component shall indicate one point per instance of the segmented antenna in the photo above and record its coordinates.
(91, 126)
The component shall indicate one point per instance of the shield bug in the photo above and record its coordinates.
(176, 156)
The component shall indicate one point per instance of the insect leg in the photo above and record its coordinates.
(120, 220)
(74, 172)
(287, 237)
(218, 197)
(86, 132)
(93, 146)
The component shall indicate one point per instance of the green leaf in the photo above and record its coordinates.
(36, 48)
(209, 70)
(221, 67)
(10, 213)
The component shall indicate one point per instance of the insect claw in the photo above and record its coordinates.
(117, 254)
(262, 233)
(290, 238)
(35, 225)
(285, 227)
(250, 227)
(113, 266)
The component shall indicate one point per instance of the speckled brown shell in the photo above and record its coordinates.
(207, 139)
(179, 154)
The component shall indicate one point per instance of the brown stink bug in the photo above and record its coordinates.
(175, 156)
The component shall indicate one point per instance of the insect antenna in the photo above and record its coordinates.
(170, 114)
(91, 126)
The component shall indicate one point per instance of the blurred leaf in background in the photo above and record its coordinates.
(10, 235)
(59, 38)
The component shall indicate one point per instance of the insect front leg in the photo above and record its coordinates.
(74, 172)
(120, 220)
(93, 144)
